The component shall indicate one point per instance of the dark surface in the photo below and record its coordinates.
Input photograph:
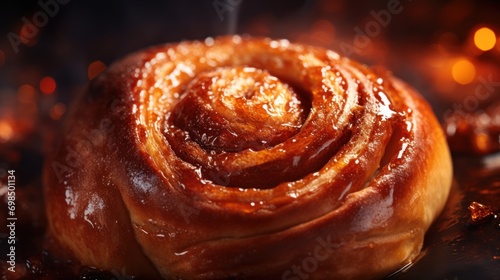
(455, 247)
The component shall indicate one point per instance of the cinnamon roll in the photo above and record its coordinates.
(247, 158)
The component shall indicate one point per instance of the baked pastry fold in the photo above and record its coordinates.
(246, 158)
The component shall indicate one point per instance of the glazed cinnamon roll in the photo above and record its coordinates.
(247, 158)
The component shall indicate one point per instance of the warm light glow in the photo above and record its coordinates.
(323, 31)
(95, 68)
(57, 111)
(6, 131)
(28, 35)
(26, 93)
(47, 85)
(482, 142)
(2, 57)
(463, 71)
(485, 39)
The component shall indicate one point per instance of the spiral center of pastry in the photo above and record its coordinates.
(238, 108)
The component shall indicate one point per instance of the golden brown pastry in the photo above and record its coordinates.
(247, 158)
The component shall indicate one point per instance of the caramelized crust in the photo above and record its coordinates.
(247, 158)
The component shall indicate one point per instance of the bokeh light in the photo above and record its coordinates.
(29, 34)
(95, 68)
(47, 85)
(463, 71)
(26, 93)
(57, 111)
(498, 44)
(485, 39)
(6, 131)
(482, 142)
(323, 31)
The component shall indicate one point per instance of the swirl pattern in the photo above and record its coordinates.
(238, 157)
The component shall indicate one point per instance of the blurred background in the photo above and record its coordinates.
(50, 49)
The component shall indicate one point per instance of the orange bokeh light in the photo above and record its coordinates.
(498, 44)
(6, 131)
(95, 68)
(463, 71)
(26, 93)
(47, 85)
(485, 39)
